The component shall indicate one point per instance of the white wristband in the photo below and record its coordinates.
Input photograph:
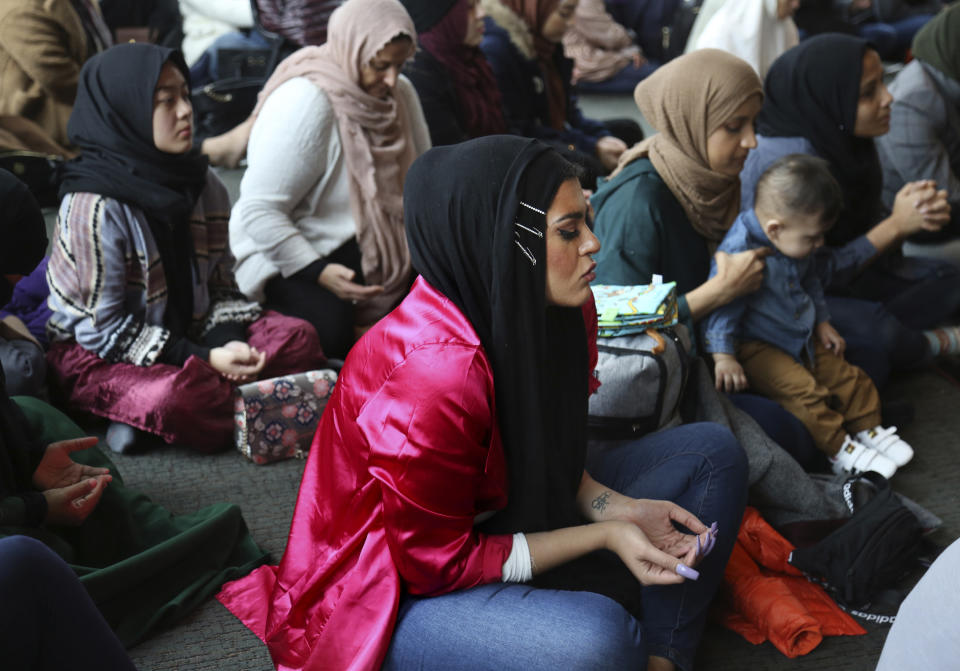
(519, 565)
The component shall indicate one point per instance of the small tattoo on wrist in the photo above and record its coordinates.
(600, 503)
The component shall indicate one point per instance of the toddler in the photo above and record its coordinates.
(779, 340)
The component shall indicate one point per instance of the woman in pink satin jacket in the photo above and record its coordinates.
(449, 465)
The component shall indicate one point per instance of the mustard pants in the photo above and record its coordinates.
(831, 397)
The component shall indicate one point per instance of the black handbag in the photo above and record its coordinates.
(223, 104)
(869, 552)
(40, 172)
(228, 101)
(233, 63)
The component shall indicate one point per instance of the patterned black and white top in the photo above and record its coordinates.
(107, 285)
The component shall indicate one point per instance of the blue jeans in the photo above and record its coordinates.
(892, 39)
(502, 626)
(895, 299)
(783, 428)
(699, 466)
(622, 82)
(47, 618)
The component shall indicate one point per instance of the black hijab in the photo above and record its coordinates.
(465, 227)
(22, 229)
(112, 125)
(812, 91)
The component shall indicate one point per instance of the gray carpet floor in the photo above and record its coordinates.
(212, 639)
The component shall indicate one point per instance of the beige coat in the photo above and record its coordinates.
(42, 47)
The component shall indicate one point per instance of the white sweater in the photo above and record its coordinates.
(206, 20)
(294, 204)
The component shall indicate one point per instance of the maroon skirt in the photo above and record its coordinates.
(190, 405)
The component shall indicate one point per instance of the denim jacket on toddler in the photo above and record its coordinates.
(786, 309)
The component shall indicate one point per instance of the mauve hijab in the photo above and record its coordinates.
(472, 77)
(535, 14)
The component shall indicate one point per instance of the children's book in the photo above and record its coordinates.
(627, 310)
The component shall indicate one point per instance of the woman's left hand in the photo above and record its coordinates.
(655, 518)
(652, 516)
(57, 469)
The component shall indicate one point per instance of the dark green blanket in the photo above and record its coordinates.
(144, 567)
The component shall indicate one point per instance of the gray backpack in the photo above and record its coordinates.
(642, 378)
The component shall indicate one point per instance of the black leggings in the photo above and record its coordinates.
(304, 298)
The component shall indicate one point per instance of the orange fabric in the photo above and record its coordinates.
(765, 598)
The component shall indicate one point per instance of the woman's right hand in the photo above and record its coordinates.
(740, 273)
(648, 564)
(338, 279)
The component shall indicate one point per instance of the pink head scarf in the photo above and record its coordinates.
(375, 134)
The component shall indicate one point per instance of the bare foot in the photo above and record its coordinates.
(227, 149)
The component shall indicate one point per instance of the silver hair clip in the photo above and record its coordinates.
(533, 231)
(531, 207)
(526, 252)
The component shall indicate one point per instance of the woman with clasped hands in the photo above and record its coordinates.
(318, 227)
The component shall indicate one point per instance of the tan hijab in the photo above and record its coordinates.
(375, 134)
(686, 100)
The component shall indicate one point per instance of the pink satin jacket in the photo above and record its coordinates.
(407, 454)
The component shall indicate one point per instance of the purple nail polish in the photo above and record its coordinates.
(698, 546)
(710, 543)
(687, 572)
(713, 528)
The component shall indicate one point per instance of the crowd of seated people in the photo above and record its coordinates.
(425, 204)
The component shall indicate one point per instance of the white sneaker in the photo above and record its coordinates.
(855, 457)
(888, 443)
